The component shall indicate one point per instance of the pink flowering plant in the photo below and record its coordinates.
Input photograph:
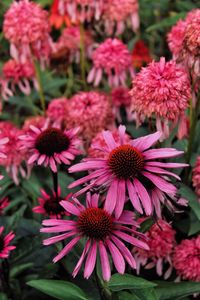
(99, 150)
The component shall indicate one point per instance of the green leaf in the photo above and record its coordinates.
(187, 193)
(146, 225)
(59, 289)
(146, 294)
(122, 282)
(3, 296)
(167, 22)
(127, 296)
(170, 290)
(16, 270)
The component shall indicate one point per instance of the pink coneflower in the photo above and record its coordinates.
(113, 58)
(81, 10)
(19, 74)
(14, 154)
(121, 98)
(26, 27)
(161, 241)
(100, 231)
(57, 110)
(99, 142)
(5, 247)
(161, 89)
(121, 13)
(175, 38)
(50, 146)
(4, 202)
(196, 177)
(129, 167)
(186, 259)
(71, 40)
(91, 111)
(50, 204)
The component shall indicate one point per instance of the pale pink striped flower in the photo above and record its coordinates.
(113, 58)
(100, 232)
(162, 89)
(121, 13)
(50, 146)
(127, 171)
(49, 204)
(186, 259)
(161, 241)
(5, 246)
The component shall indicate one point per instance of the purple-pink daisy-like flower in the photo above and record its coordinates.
(50, 204)
(50, 146)
(4, 202)
(113, 58)
(128, 170)
(5, 246)
(162, 89)
(186, 259)
(100, 231)
(161, 241)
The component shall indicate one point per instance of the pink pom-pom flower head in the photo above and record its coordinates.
(5, 241)
(100, 231)
(130, 167)
(49, 204)
(50, 146)
(113, 58)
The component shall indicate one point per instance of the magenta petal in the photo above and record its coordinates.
(71, 208)
(144, 196)
(161, 183)
(143, 143)
(90, 261)
(121, 198)
(109, 139)
(67, 249)
(165, 165)
(105, 265)
(122, 130)
(87, 165)
(117, 257)
(58, 238)
(161, 153)
(111, 197)
(131, 240)
(161, 171)
(78, 265)
(134, 197)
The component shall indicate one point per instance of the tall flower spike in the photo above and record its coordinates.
(100, 231)
(130, 167)
(50, 145)
(5, 241)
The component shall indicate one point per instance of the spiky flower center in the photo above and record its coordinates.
(52, 206)
(125, 161)
(50, 141)
(1, 243)
(95, 223)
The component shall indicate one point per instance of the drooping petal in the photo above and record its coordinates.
(105, 265)
(91, 260)
(144, 196)
(117, 257)
(145, 142)
(67, 249)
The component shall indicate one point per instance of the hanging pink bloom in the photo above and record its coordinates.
(99, 142)
(161, 89)
(14, 154)
(50, 146)
(121, 13)
(161, 241)
(196, 177)
(129, 167)
(121, 98)
(5, 247)
(57, 111)
(4, 202)
(113, 58)
(19, 74)
(91, 111)
(27, 29)
(71, 41)
(81, 10)
(186, 259)
(100, 231)
(50, 204)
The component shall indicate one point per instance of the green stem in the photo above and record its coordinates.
(82, 56)
(39, 80)
(103, 288)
